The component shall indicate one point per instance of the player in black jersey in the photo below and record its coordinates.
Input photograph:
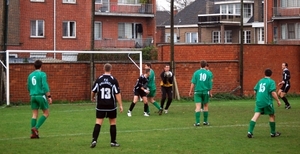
(107, 89)
(285, 85)
(140, 90)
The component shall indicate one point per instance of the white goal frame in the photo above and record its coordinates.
(65, 51)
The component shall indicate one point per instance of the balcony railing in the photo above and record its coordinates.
(286, 12)
(124, 9)
(123, 43)
(218, 18)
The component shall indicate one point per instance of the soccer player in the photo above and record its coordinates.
(108, 91)
(285, 85)
(166, 84)
(140, 90)
(201, 83)
(264, 90)
(212, 76)
(40, 97)
(152, 89)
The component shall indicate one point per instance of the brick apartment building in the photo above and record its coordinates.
(80, 24)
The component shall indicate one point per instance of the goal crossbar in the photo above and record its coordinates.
(65, 51)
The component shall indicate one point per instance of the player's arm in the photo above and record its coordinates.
(119, 99)
(46, 88)
(191, 88)
(93, 99)
(276, 98)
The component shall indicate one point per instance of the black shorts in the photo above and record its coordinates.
(140, 93)
(285, 88)
(106, 114)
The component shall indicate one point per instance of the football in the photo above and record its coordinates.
(168, 74)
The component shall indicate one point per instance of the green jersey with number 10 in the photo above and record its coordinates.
(202, 81)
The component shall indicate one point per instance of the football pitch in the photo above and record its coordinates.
(69, 129)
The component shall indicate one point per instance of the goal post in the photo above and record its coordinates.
(54, 58)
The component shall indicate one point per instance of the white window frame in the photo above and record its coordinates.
(69, 31)
(98, 2)
(283, 30)
(228, 36)
(247, 36)
(260, 35)
(291, 29)
(290, 3)
(98, 35)
(189, 37)
(37, 30)
(246, 9)
(128, 31)
(297, 30)
(69, 1)
(37, 0)
(128, 2)
(216, 37)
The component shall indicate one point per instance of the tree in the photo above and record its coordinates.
(179, 4)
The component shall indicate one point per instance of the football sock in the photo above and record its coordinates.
(272, 126)
(251, 126)
(113, 133)
(131, 106)
(156, 105)
(96, 132)
(197, 117)
(40, 122)
(205, 115)
(146, 108)
(285, 101)
(33, 123)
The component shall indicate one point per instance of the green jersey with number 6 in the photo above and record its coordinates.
(37, 83)
(202, 81)
(264, 89)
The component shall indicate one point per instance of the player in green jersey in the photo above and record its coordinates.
(264, 90)
(152, 89)
(201, 84)
(40, 97)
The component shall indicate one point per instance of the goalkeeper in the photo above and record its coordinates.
(166, 87)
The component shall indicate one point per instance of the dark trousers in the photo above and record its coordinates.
(166, 91)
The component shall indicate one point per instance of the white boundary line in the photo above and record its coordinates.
(161, 129)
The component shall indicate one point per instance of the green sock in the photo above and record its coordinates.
(272, 126)
(156, 105)
(205, 115)
(33, 123)
(42, 119)
(251, 126)
(197, 116)
(148, 110)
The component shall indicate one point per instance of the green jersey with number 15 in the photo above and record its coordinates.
(264, 89)
(37, 83)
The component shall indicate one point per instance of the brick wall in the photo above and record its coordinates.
(71, 81)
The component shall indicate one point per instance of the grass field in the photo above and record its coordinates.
(69, 129)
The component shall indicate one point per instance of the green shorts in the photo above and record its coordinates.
(201, 98)
(152, 93)
(265, 110)
(39, 102)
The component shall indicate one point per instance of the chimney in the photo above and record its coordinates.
(175, 11)
(209, 7)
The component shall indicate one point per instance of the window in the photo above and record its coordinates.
(228, 36)
(290, 3)
(69, 1)
(247, 10)
(223, 9)
(128, 1)
(37, 0)
(290, 31)
(98, 30)
(260, 35)
(98, 1)
(230, 9)
(191, 37)
(216, 35)
(237, 8)
(247, 36)
(37, 28)
(69, 29)
(130, 30)
(275, 34)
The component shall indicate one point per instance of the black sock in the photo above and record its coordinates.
(96, 132)
(113, 133)
(146, 107)
(131, 106)
(285, 101)
(168, 103)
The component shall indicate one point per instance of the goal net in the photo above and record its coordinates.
(70, 74)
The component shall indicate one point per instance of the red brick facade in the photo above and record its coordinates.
(71, 81)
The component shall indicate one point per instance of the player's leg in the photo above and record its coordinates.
(135, 100)
(205, 108)
(45, 107)
(112, 115)
(253, 120)
(163, 96)
(282, 96)
(34, 107)
(198, 101)
(271, 112)
(169, 93)
(99, 120)
(145, 100)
